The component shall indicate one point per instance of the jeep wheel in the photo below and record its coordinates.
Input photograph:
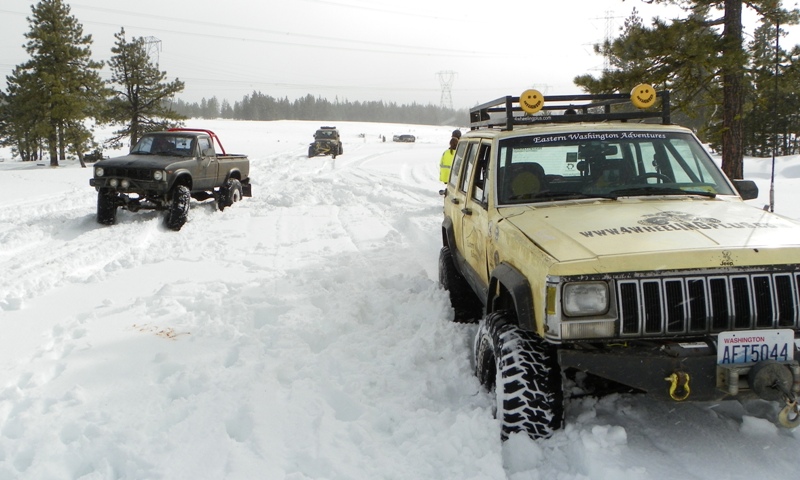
(341, 149)
(179, 208)
(523, 372)
(311, 151)
(468, 308)
(106, 207)
(230, 193)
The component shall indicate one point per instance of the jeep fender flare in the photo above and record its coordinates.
(448, 235)
(510, 290)
(181, 177)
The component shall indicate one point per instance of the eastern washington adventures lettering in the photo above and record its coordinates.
(599, 136)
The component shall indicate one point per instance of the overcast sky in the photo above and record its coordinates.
(401, 51)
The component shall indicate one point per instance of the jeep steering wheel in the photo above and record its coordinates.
(658, 176)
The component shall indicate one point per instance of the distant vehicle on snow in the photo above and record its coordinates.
(166, 169)
(406, 138)
(326, 142)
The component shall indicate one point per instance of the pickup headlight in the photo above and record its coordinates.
(99, 172)
(158, 175)
(584, 299)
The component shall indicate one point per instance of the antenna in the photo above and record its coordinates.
(446, 79)
(152, 45)
(774, 115)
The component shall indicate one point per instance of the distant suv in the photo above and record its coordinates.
(326, 142)
(616, 255)
(405, 138)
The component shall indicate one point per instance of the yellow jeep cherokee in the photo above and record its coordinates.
(594, 239)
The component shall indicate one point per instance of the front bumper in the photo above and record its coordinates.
(649, 367)
(151, 187)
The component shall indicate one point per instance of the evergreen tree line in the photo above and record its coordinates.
(258, 106)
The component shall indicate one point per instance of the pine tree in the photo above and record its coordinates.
(140, 100)
(704, 66)
(22, 121)
(52, 94)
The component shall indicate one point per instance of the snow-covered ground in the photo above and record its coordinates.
(298, 335)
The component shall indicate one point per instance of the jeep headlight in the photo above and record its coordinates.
(99, 172)
(158, 175)
(584, 299)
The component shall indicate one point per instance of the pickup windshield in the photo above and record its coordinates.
(165, 144)
(547, 168)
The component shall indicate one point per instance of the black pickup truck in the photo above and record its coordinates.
(164, 170)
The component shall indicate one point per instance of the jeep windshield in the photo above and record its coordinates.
(605, 164)
(165, 145)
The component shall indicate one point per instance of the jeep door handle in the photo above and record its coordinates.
(454, 200)
(466, 211)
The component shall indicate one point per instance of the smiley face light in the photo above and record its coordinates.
(531, 101)
(643, 96)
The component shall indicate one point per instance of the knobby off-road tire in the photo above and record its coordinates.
(230, 193)
(468, 308)
(179, 208)
(106, 207)
(522, 370)
(311, 152)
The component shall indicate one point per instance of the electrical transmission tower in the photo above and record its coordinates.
(446, 79)
(609, 33)
(152, 46)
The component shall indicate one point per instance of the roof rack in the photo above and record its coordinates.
(512, 113)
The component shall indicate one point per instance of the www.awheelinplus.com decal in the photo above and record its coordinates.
(674, 221)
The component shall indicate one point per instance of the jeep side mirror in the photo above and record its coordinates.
(747, 189)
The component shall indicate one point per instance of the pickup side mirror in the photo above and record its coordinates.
(747, 189)
(208, 152)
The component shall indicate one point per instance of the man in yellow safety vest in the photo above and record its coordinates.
(447, 160)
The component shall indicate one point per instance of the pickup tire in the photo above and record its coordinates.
(468, 308)
(178, 210)
(230, 193)
(106, 207)
(522, 370)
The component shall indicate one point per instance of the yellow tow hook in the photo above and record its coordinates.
(679, 386)
(789, 416)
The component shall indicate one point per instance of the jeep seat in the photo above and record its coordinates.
(526, 180)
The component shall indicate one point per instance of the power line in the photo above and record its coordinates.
(325, 41)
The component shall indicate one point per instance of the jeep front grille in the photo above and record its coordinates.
(132, 173)
(707, 303)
